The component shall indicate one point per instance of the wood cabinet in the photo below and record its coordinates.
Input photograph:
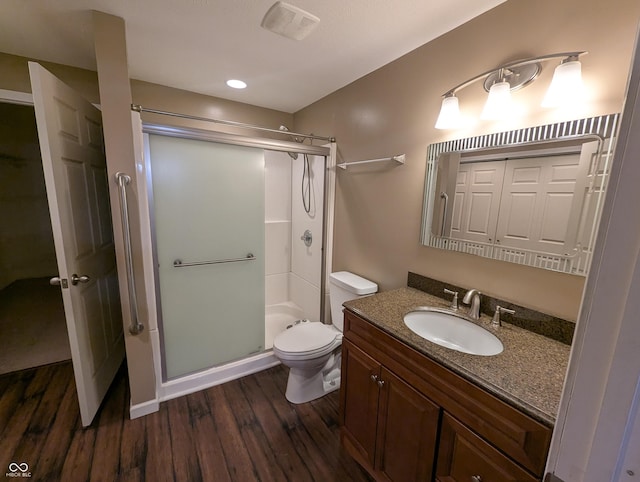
(359, 415)
(405, 417)
(390, 425)
(463, 455)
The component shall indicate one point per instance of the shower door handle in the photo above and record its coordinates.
(178, 263)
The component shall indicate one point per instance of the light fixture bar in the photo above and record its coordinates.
(514, 64)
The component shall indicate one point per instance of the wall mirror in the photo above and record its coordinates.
(531, 196)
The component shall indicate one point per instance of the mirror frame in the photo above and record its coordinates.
(601, 128)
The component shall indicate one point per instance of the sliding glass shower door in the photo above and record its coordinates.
(208, 215)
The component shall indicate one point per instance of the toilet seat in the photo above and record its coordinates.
(307, 340)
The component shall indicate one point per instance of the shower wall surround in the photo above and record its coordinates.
(293, 270)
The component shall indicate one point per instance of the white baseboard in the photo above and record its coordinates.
(216, 376)
(145, 408)
(202, 380)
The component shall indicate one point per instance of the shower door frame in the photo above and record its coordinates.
(236, 140)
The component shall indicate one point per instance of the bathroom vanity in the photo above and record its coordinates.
(412, 410)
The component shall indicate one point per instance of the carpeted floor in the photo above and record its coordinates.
(33, 331)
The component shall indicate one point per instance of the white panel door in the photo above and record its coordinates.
(477, 200)
(71, 144)
(538, 203)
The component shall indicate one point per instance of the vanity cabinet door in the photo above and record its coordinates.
(407, 431)
(359, 401)
(465, 457)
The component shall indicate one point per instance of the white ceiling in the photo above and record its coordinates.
(197, 45)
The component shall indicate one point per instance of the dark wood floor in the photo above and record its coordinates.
(243, 430)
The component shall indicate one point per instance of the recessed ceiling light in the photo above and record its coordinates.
(236, 84)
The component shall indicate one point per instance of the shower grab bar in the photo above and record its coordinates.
(123, 180)
(445, 196)
(179, 264)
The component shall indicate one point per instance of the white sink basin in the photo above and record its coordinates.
(452, 331)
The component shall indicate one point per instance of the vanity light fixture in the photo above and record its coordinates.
(498, 103)
(566, 86)
(449, 117)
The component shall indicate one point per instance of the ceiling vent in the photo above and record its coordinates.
(289, 21)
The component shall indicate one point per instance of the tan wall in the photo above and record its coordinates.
(393, 110)
(26, 240)
(15, 76)
(163, 98)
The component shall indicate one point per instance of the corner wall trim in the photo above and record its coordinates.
(550, 477)
(145, 408)
(15, 97)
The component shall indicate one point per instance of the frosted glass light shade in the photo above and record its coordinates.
(566, 85)
(498, 105)
(449, 117)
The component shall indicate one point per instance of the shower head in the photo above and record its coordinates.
(292, 155)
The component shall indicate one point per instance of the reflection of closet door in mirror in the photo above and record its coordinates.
(538, 209)
(477, 200)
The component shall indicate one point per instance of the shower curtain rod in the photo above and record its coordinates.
(139, 108)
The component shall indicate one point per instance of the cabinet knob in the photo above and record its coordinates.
(374, 378)
(476, 478)
(380, 383)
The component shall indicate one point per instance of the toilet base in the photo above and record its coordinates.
(306, 385)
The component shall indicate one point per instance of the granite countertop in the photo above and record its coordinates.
(528, 374)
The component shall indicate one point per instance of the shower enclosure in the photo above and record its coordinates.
(237, 234)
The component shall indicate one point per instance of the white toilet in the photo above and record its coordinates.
(312, 350)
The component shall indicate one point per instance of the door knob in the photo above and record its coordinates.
(75, 279)
(57, 281)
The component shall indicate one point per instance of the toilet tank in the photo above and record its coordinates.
(345, 286)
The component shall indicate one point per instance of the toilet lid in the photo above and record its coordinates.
(305, 337)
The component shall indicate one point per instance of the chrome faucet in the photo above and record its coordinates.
(496, 316)
(454, 301)
(472, 298)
